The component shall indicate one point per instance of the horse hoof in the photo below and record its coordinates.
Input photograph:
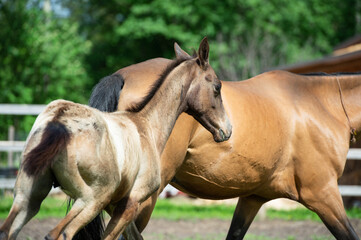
(3, 236)
(47, 237)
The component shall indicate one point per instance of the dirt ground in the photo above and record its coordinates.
(159, 229)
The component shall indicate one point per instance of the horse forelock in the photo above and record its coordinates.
(154, 88)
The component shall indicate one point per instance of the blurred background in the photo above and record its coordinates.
(52, 49)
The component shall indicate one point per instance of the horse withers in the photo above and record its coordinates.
(111, 161)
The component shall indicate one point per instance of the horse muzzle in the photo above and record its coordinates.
(222, 135)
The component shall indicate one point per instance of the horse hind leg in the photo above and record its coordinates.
(327, 203)
(246, 210)
(83, 211)
(29, 194)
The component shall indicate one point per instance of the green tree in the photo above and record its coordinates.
(247, 36)
(44, 56)
(41, 59)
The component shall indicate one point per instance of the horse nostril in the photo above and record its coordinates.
(223, 136)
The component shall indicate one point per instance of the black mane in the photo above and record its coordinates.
(139, 106)
(105, 95)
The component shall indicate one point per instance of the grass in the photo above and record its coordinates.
(172, 210)
(298, 214)
(302, 214)
(175, 210)
(51, 207)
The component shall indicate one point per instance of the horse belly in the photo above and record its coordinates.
(217, 177)
(230, 169)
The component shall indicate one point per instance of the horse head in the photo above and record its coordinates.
(203, 97)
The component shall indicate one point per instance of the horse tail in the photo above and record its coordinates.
(105, 95)
(54, 139)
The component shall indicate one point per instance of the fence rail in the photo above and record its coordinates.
(21, 109)
(12, 146)
(25, 109)
(18, 146)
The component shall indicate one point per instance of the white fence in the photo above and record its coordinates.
(24, 109)
(21, 109)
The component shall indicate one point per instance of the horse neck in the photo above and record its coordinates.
(351, 94)
(162, 111)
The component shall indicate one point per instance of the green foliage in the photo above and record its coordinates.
(247, 36)
(41, 59)
(63, 53)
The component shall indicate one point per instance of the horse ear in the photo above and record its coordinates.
(180, 53)
(203, 53)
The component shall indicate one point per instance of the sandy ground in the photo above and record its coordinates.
(213, 229)
(160, 229)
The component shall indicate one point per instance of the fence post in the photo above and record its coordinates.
(11, 138)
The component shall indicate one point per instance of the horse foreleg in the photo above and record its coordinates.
(245, 212)
(29, 193)
(327, 203)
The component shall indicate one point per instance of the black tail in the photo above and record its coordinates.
(54, 139)
(105, 94)
(104, 97)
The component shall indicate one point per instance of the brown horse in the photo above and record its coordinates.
(112, 160)
(290, 140)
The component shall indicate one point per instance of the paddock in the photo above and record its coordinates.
(212, 228)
